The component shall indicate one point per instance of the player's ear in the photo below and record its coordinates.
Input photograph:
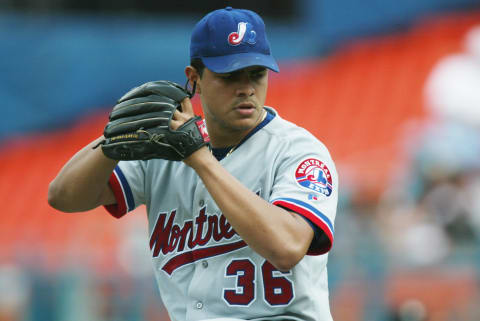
(193, 77)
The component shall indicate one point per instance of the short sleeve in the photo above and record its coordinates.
(306, 183)
(128, 185)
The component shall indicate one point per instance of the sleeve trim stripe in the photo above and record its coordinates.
(308, 208)
(312, 217)
(130, 203)
(119, 209)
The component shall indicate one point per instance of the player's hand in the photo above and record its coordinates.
(178, 119)
(181, 117)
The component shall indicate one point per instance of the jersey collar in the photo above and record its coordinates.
(220, 153)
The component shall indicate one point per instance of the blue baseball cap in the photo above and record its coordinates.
(230, 39)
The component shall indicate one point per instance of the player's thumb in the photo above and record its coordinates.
(187, 107)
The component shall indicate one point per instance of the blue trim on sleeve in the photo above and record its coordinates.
(126, 188)
(311, 208)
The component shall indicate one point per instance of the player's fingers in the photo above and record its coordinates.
(178, 119)
(174, 124)
(187, 107)
(178, 115)
(181, 117)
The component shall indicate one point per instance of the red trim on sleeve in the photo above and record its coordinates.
(313, 218)
(119, 209)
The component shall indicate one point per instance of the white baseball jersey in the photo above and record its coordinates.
(204, 270)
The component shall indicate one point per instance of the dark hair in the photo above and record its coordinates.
(197, 63)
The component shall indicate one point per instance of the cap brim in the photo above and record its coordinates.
(229, 63)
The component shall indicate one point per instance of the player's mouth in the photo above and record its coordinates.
(245, 108)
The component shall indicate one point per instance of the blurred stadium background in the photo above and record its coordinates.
(391, 87)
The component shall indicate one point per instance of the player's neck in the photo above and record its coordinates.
(227, 137)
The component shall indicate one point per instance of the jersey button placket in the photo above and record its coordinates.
(199, 305)
(205, 264)
(201, 203)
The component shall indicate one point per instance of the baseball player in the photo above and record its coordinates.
(240, 206)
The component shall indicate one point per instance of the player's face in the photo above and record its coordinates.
(233, 102)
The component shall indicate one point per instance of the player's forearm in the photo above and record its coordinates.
(81, 183)
(274, 233)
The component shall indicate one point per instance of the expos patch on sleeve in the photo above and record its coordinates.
(314, 175)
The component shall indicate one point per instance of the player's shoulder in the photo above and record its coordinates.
(290, 133)
(286, 129)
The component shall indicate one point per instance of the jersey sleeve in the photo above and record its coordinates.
(127, 182)
(306, 182)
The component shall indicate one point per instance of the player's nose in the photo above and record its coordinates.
(245, 85)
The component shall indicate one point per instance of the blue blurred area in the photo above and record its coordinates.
(338, 21)
(54, 68)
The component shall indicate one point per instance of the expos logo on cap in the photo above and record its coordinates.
(244, 33)
(315, 175)
(230, 39)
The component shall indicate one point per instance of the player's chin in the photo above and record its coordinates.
(247, 119)
(242, 124)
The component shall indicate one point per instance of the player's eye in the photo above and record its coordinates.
(258, 73)
(230, 77)
(236, 75)
(225, 76)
